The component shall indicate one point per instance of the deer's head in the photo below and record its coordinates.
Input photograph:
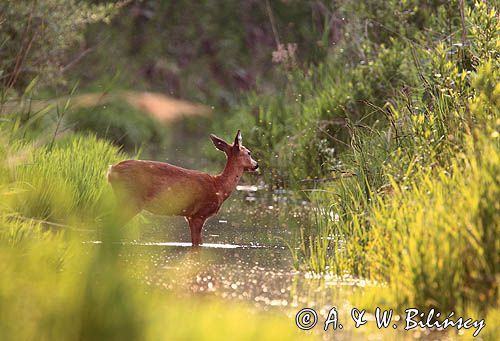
(236, 152)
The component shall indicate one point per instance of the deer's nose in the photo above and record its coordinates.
(256, 167)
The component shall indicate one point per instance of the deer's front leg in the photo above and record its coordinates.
(196, 225)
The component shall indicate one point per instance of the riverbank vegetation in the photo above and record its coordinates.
(400, 138)
(382, 116)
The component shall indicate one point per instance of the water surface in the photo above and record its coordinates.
(246, 257)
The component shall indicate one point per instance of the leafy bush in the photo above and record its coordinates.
(34, 35)
(301, 132)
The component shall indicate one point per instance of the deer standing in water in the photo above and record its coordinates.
(164, 189)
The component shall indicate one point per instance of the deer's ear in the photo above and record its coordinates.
(237, 140)
(219, 143)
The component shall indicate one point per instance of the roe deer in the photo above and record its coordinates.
(164, 189)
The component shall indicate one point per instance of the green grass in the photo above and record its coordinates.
(64, 181)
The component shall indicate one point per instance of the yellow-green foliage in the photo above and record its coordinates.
(66, 180)
(202, 319)
(442, 234)
(437, 243)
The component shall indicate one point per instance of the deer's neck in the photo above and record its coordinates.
(228, 179)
